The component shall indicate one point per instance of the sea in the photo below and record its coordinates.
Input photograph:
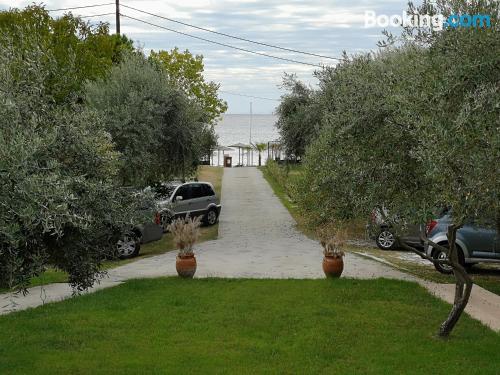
(233, 129)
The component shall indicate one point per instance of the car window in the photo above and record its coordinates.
(184, 191)
(197, 191)
(163, 191)
(208, 190)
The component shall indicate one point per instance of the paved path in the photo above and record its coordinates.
(257, 239)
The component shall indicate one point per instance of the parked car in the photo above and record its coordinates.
(193, 198)
(475, 243)
(172, 200)
(384, 234)
(129, 245)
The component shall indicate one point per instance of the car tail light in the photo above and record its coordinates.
(157, 218)
(373, 216)
(430, 226)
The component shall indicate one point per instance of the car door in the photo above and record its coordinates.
(198, 199)
(479, 239)
(182, 207)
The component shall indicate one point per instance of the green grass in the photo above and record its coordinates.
(165, 244)
(221, 326)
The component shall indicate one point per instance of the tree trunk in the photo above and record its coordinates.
(463, 285)
(463, 282)
(259, 160)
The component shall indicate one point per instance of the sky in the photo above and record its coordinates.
(324, 27)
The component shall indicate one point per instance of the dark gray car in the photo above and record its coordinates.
(475, 243)
(129, 245)
(384, 233)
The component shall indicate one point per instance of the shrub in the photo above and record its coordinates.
(60, 201)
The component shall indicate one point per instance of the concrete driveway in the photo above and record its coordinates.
(257, 239)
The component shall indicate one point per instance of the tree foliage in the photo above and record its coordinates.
(156, 127)
(60, 203)
(413, 128)
(81, 115)
(298, 122)
(80, 51)
(185, 71)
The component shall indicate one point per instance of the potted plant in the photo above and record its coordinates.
(186, 232)
(333, 263)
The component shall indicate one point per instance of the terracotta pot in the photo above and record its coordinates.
(333, 266)
(186, 265)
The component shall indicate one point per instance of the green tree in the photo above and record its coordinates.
(80, 51)
(157, 129)
(185, 70)
(59, 197)
(413, 128)
(299, 119)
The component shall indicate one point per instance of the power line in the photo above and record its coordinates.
(247, 96)
(97, 15)
(81, 7)
(223, 44)
(233, 36)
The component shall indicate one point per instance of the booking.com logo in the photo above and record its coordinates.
(436, 22)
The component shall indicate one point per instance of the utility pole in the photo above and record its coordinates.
(117, 17)
(250, 122)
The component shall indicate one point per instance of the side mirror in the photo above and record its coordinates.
(178, 198)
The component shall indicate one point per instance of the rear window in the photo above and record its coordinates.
(208, 191)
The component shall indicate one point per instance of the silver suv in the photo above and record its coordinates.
(193, 198)
(474, 243)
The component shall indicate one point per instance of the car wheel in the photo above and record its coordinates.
(385, 240)
(128, 246)
(440, 254)
(211, 217)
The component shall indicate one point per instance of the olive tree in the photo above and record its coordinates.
(154, 125)
(458, 127)
(298, 116)
(82, 51)
(412, 129)
(59, 197)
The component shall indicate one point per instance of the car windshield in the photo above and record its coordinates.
(163, 190)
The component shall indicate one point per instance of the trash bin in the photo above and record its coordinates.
(228, 161)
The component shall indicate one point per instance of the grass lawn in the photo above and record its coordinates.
(228, 326)
(165, 244)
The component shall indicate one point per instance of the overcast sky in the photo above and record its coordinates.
(325, 27)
